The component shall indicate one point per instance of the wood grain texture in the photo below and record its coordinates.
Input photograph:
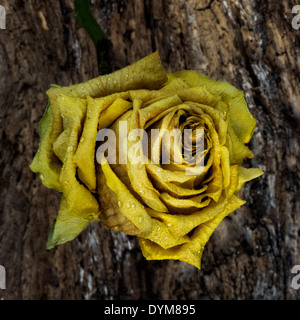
(252, 45)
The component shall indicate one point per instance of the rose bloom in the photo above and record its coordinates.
(108, 145)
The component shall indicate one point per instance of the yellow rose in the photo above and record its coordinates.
(147, 153)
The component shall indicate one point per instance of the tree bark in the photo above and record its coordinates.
(251, 44)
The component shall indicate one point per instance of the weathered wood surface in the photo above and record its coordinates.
(248, 43)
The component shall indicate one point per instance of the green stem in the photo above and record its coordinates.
(102, 44)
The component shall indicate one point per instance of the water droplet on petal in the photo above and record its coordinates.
(169, 224)
(141, 192)
(70, 149)
(158, 228)
(140, 219)
(66, 182)
(158, 169)
(82, 139)
(119, 203)
(42, 177)
(133, 206)
(128, 205)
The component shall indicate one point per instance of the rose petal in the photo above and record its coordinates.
(45, 161)
(190, 252)
(67, 227)
(79, 199)
(241, 119)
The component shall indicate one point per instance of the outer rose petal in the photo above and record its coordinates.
(45, 161)
(190, 252)
(66, 227)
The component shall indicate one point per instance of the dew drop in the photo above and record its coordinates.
(140, 219)
(66, 182)
(119, 203)
(128, 205)
(82, 87)
(141, 192)
(158, 169)
(127, 75)
(133, 206)
(169, 224)
(70, 149)
(42, 177)
(158, 228)
(82, 139)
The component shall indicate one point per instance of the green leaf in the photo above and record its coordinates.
(102, 44)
